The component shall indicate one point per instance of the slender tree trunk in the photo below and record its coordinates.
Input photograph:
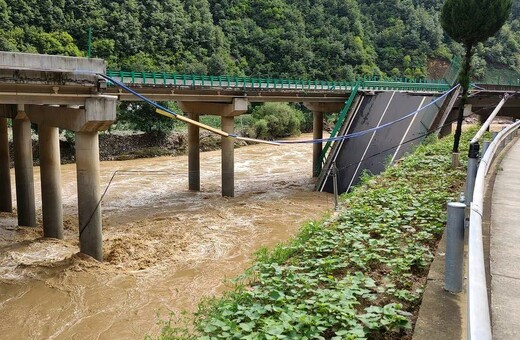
(464, 82)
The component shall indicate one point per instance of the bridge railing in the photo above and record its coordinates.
(478, 320)
(192, 80)
(512, 80)
(188, 80)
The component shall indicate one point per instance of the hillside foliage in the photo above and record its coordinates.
(307, 39)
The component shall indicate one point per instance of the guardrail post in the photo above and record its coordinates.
(472, 171)
(454, 260)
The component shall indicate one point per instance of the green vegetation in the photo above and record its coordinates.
(471, 22)
(327, 40)
(272, 120)
(142, 117)
(299, 39)
(357, 275)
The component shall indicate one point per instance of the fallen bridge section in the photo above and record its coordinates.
(371, 152)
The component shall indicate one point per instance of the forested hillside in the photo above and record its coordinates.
(308, 39)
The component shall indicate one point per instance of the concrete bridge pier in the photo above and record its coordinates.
(89, 207)
(317, 148)
(318, 110)
(193, 154)
(52, 208)
(6, 203)
(227, 111)
(23, 168)
(228, 158)
(97, 115)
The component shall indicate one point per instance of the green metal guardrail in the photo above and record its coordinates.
(339, 123)
(371, 83)
(163, 78)
(512, 80)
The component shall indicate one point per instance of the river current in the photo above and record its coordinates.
(165, 247)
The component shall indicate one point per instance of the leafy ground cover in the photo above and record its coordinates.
(355, 275)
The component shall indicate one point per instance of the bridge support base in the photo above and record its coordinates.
(23, 167)
(228, 158)
(89, 207)
(317, 133)
(52, 208)
(6, 203)
(193, 154)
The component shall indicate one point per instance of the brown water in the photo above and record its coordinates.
(165, 247)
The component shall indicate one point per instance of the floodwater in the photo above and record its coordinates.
(165, 247)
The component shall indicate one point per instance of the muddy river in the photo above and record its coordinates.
(165, 247)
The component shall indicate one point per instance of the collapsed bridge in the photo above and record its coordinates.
(386, 117)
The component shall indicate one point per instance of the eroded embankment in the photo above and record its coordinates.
(165, 247)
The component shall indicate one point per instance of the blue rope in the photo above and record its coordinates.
(137, 94)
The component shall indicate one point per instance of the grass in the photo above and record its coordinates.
(358, 275)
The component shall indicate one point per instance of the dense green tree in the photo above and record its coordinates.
(307, 39)
(273, 120)
(142, 117)
(470, 22)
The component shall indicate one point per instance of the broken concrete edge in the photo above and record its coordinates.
(51, 63)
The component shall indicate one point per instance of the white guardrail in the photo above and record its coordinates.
(479, 322)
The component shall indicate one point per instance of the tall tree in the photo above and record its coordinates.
(470, 22)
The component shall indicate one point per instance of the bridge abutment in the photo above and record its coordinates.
(23, 169)
(6, 203)
(52, 208)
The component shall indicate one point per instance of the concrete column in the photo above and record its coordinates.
(23, 169)
(52, 209)
(318, 109)
(228, 158)
(317, 133)
(89, 208)
(6, 203)
(193, 154)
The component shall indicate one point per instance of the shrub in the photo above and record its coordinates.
(273, 120)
